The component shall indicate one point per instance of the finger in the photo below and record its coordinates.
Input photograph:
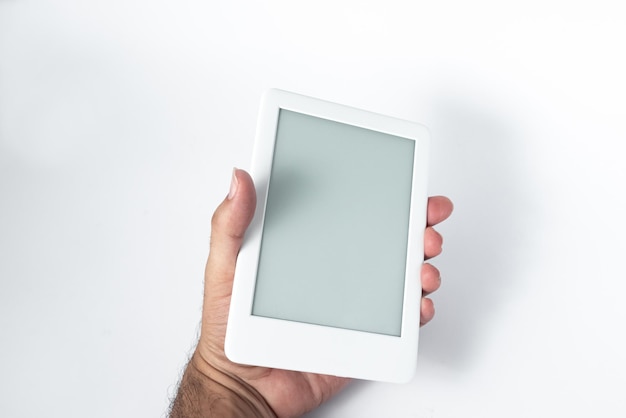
(228, 226)
(433, 243)
(427, 311)
(439, 209)
(430, 278)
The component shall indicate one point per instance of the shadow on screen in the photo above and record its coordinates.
(288, 189)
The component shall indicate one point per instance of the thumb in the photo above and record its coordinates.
(228, 226)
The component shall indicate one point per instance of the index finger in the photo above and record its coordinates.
(439, 209)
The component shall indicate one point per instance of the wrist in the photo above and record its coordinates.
(208, 392)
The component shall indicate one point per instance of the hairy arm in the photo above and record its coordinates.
(210, 393)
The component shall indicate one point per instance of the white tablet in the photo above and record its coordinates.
(328, 278)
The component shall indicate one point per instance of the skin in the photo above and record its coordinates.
(214, 386)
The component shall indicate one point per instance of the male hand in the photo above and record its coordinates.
(222, 385)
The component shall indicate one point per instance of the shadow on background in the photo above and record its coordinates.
(478, 159)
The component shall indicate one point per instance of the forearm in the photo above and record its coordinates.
(210, 393)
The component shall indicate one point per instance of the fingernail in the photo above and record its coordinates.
(233, 185)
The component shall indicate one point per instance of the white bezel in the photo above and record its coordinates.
(290, 345)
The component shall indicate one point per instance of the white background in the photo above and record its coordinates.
(120, 122)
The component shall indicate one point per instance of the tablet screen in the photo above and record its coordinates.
(335, 233)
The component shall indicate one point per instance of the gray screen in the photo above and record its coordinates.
(335, 235)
